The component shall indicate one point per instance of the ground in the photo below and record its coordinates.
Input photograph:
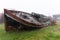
(47, 33)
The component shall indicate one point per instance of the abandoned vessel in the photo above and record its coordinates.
(17, 20)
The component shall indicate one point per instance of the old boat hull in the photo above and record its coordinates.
(18, 21)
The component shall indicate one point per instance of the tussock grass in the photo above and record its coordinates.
(47, 33)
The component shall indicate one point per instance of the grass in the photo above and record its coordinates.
(47, 33)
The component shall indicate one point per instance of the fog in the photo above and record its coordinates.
(46, 7)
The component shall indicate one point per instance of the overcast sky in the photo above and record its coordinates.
(47, 7)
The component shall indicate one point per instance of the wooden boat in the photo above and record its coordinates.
(19, 17)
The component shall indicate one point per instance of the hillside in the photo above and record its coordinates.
(56, 17)
(1, 18)
(47, 33)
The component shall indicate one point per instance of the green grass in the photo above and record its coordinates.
(47, 33)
